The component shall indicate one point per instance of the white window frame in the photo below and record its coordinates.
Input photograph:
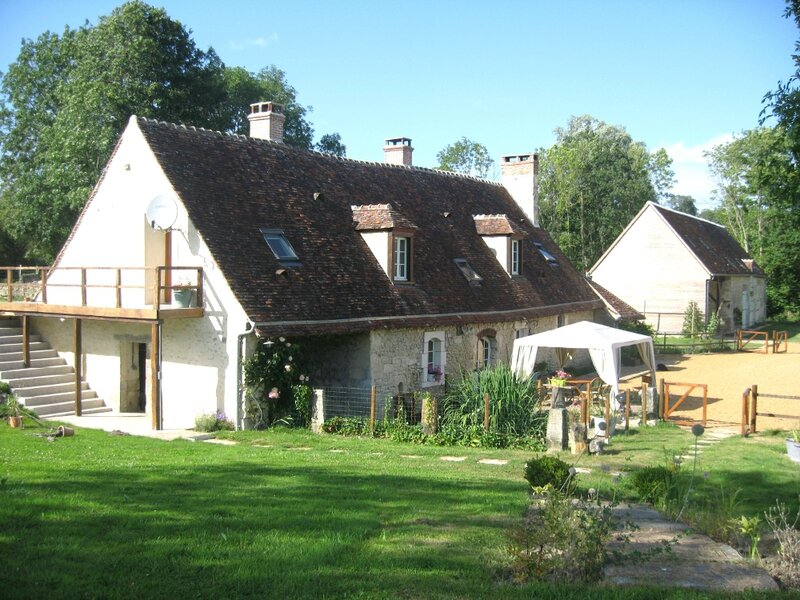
(401, 250)
(487, 351)
(514, 258)
(430, 379)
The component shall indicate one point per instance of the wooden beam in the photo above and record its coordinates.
(155, 375)
(26, 343)
(78, 366)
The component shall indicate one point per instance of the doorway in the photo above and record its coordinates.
(133, 377)
(142, 363)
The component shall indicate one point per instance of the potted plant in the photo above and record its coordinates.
(14, 410)
(184, 292)
(793, 445)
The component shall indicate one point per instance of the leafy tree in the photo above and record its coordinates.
(757, 188)
(684, 204)
(332, 144)
(465, 156)
(593, 181)
(67, 98)
(661, 174)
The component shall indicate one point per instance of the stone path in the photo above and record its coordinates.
(694, 561)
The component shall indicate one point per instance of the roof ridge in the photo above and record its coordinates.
(683, 214)
(246, 138)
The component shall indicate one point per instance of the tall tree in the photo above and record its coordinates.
(757, 183)
(593, 181)
(465, 156)
(331, 143)
(684, 204)
(67, 97)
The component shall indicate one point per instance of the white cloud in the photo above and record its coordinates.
(259, 42)
(692, 177)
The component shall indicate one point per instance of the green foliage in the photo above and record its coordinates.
(654, 484)
(684, 204)
(692, 320)
(593, 181)
(514, 404)
(276, 384)
(67, 97)
(562, 540)
(542, 471)
(351, 426)
(465, 156)
(213, 422)
(331, 143)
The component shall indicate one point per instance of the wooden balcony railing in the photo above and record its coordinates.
(107, 287)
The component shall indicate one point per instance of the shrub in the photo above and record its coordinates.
(785, 566)
(653, 484)
(563, 540)
(346, 426)
(213, 422)
(692, 320)
(542, 471)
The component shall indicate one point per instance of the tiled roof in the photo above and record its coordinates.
(496, 225)
(616, 305)
(713, 246)
(232, 186)
(377, 217)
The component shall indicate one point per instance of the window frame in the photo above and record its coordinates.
(430, 379)
(466, 269)
(291, 259)
(396, 239)
(515, 257)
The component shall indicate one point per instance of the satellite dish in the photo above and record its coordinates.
(162, 212)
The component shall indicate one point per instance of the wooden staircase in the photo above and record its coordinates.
(47, 386)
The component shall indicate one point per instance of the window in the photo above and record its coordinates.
(486, 352)
(280, 246)
(514, 257)
(551, 260)
(521, 333)
(402, 258)
(433, 359)
(468, 271)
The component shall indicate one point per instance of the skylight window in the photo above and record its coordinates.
(467, 270)
(551, 260)
(280, 246)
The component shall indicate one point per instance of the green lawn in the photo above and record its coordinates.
(294, 515)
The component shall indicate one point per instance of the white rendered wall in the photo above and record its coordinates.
(378, 243)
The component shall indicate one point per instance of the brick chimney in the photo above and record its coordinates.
(397, 151)
(266, 121)
(520, 177)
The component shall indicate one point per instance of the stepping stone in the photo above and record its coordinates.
(410, 456)
(221, 442)
(493, 461)
(583, 470)
(298, 448)
(337, 450)
(453, 458)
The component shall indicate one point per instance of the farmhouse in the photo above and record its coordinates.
(665, 259)
(395, 276)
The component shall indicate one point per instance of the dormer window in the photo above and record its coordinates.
(402, 258)
(280, 246)
(551, 260)
(467, 271)
(503, 237)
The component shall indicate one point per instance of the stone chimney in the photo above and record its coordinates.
(397, 151)
(520, 177)
(266, 121)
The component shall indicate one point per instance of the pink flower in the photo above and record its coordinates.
(274, 394)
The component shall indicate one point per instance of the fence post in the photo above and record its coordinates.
(745, 415)
(662, 400)
(753, 407)
(627, 409)
(486, 412)
(643, 420)
(372, 398)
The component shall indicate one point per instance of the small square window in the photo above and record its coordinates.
(280, 246)
(467, 270)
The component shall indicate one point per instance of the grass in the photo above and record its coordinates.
(288, 514)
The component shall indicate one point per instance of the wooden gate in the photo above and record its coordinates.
(750, 409)
(668, 410)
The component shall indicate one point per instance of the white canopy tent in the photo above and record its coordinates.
(603, 343)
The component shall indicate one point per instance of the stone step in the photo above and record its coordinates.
(17, 339)
(42, 353)
(21, 383)
(13, 365)
(45, 390)
(19, 372)
(57, 398)
(16, 347)
(61, 409)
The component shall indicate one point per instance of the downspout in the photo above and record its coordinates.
(239, 385)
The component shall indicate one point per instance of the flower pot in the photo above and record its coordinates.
(15, 421)
(793, 449)
(184, 298)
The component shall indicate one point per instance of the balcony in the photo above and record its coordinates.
(124, 293)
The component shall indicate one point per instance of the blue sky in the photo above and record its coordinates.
(682, 75)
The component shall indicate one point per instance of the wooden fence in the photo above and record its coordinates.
(667, 410)
(779, 341)
(750, 410)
